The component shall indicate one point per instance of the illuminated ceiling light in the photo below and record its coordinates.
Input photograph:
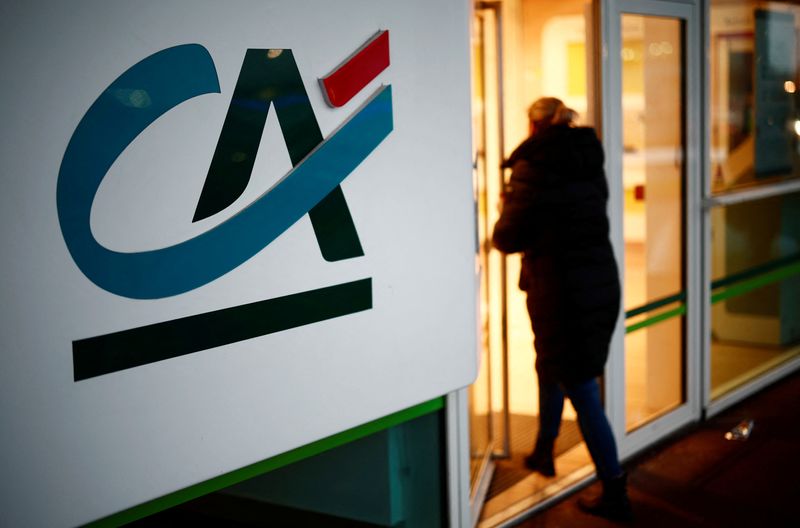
(797, 126)
(789, 87)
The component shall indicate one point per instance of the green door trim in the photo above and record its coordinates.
(270, 464)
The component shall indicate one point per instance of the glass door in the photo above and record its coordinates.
(488, 407)
(652, 139)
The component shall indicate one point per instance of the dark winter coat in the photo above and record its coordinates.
(554, 212)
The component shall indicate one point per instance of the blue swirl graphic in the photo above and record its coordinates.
(131, 103)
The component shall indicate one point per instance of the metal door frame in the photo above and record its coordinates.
(611, 77)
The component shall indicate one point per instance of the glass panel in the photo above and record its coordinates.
(489, 154)
(754, 112)
(480, 422)
(484, 112)
(653, 179)
(755, 314)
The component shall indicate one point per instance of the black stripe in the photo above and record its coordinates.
(274, 80)
(96, 356)
(719, 283)
(658, 303)
(755, 271)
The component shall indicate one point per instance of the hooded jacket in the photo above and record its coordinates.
(554, 212)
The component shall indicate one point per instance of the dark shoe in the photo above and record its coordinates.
(541, 460)
(613, 503)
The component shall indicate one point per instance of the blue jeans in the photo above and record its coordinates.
(596, 431)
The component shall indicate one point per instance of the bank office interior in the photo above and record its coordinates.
(703, 163)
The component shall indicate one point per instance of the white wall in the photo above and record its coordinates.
(72, 452)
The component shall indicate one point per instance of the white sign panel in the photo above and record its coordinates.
(229, 229)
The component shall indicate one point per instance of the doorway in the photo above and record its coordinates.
(522, 50)
(642, 96)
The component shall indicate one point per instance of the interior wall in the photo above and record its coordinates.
(536, 45)
(664, 196)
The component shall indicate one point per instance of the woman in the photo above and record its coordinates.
(554, 212)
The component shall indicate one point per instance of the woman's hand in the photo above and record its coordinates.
(501, 201)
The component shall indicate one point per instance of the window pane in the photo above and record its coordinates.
(653, 179)
(754, 91)
(755, 314)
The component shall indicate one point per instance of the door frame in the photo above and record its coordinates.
(712, 407)
(467, 498)
(611, 78)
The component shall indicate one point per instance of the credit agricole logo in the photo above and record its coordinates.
(269, 80)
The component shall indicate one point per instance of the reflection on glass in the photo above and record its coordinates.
(485, 110)
(755, 314)
(653, 174)
(754, 108)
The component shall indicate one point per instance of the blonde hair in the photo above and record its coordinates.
(548, 111)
